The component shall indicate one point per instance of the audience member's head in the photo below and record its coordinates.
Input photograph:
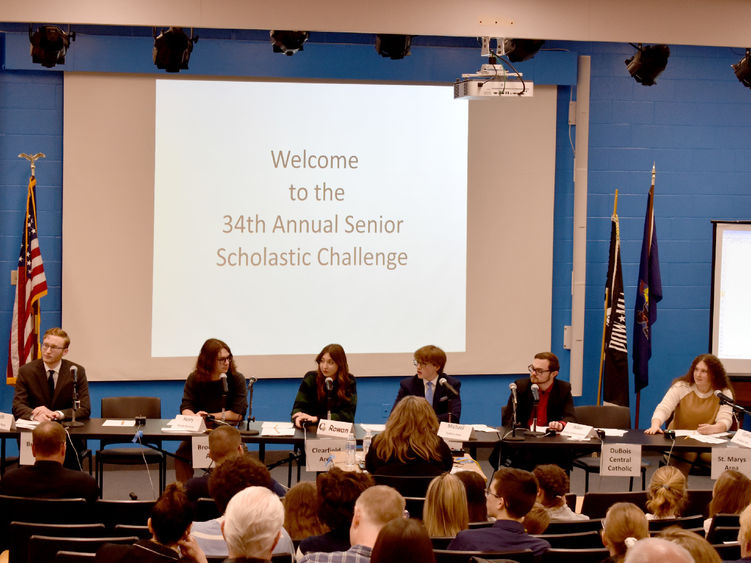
(744, 534)
(225, 442)
(445, 511)
(403, 540)
(411, 430)
(252, 523)
(536, 520)
(624, 525)
(730, 494)
(375, 507)
(657, 550)
(554, 483)
(48, 442)
(337, 492)
(474, 485)
(667, 494)
(511, 494)
(699, 548)
(233, 476)
(171, 515)
(301, 511)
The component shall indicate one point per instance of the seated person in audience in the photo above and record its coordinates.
(301, 512)
(730, 495)
(657, 550)
(252, 525)
(225, 442)
(403, 540)
(699, 548)
(445, 510)
(624, 525)
(374, 508)
(536, 521)
(430, 361)
(47, 478)
(667, 493)
(337, 493)
(553, 485)
(169, 525)
(474, 484)
(228, 479)
(410, 444)
(744, 536)
(511, 496)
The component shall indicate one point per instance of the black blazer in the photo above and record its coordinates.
(443, 400)
(49, 479)
(32, 391)
(560, 403)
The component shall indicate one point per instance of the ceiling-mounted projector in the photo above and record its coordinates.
(492, 81)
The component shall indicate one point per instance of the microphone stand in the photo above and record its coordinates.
(514, 437)
(328, 402)
(76, 405)
(248, 430)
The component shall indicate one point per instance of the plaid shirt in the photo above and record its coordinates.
(355, 554)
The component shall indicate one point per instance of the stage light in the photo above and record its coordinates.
(49, 44)
(288, 42)
(743, 69)
(393, 46)
(518, 50)
(648, 63)
(172, 48)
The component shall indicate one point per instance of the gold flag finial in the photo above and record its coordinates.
(32, 159)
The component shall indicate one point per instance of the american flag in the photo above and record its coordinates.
(31, 285)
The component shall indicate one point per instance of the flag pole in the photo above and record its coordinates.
(605, 315)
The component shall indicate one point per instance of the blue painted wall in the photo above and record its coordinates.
(695, 123)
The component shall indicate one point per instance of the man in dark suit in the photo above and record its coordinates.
(430, 361)
(47, 478)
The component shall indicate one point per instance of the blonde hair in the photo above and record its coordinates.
(536, 521)
(381, 504)
(624, 524)
(445, 511)
(667, 494)
(411, 429)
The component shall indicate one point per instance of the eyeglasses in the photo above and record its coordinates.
(224, 359)
(488, 492)
(51, 347)
(535, 371)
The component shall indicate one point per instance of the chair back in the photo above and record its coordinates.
(446, 556)
(113, 512)
(131, 407)
(414, 506)
(50, 511)
(142, 532)
(43, 549)
(723, 534)
(441, 542)
(407, 485)
(604, 416)
(20, 532)
(573, 526)
(561, 555)
(579, 540)
(728, 551)
(698, 502)
(206, 509)
(722, 521)
(595, 505)
(74, 557)
(685, 522)
(282, 558)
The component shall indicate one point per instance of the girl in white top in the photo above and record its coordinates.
(692, 402)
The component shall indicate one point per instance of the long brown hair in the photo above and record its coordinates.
(343, 377)
(731, 493)
(717, 375)
(411, 429)
(301, 511)
(206, 361)
(403, 541)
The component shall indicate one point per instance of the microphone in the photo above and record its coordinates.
(442, 381)
(76, 402)
(535, 392)
(251, 381)
(512, 386)
(329, 384)
(225, 389)
(724, 399)
(74, 373)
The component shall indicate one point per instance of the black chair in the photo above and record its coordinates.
(74, 557)
(486, 524)
(205, 510)
(142, 532)
(571, 501)
(722, 521)
(114, 512)
(482, 560)
(573, 526)
(578, 540)
(685, 522)
(130, 407)
(441, 542)
(20, 532)
(446, 556)
(560, 555)
(728, 551)
(595, 505)
(723, 534)
(43, 549)
(604, 416)
(49, 511)
(282, 558)
(698, 502)
(407, 485)
(414, 506)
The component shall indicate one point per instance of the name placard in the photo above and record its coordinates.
(452, 432)
(7, 422)
(200, 447)
(730, 458)
(576, 431)
(622, 460)
(742, 438)
(334, 429)
(25, 456)
(319, 454)
(187, 423)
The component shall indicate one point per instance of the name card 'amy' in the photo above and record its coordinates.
(623, 460)
(451, 431)
(334, 428)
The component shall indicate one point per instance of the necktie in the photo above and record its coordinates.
(429, 392)
(51, 382)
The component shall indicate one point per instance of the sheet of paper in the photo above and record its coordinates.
(374, 427)
(28, 424)
(277, 429)
(614, 432)
(484, 428)
(119, 422)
